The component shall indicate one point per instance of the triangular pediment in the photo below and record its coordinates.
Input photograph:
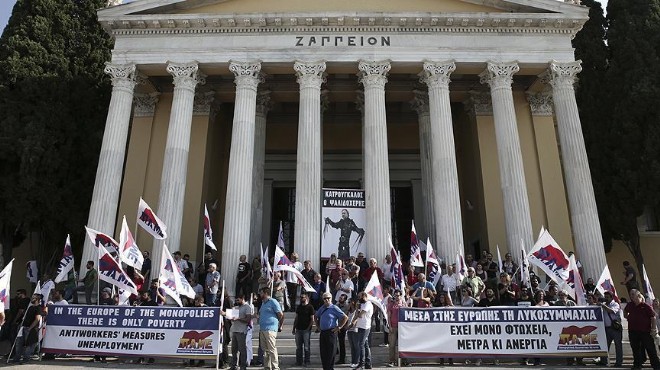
(226, 7)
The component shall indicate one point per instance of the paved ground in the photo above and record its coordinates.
(286, 347)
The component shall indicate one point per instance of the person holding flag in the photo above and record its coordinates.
(89, 281)
(613, 329)
(423, 292)
(28, 338)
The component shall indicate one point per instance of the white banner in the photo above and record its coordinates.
(344, 219)
(140, 331)
(502, 332)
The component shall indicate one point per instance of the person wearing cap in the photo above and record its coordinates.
(329, 321)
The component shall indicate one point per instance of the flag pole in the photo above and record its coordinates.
(98, 276)
(13, 346)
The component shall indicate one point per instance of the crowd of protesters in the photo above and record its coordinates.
(344, 317)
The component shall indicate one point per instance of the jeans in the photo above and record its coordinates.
(238, 344)
(616, 336)
(211, 298)
(302, 344)
(355, 347)
(363, 342)
(394, 344)
(341, 341)
(24, 352)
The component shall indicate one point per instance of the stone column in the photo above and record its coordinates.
(512, 176)
(263, 105)
(105, 198)
(376, 165)
(581, 201)
(307, 232)
(186, 76)
(236, 238)
(444, 174)
(425, 227)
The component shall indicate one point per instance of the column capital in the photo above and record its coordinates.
(186, 75)
(310, 74)
(479, 103)
(263, 102)
(420, 102)
(563, 74)
(246, 74)
(437, 73)
(499, 74)
(121, 75)
(374, 73)
(541, 103)
(203, 102)
(144, 105)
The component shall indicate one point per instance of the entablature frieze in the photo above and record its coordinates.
(543, 23)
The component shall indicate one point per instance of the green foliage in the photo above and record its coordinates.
(617, 97)
(54, 98)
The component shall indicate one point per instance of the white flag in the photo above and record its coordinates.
(500, 263)
(375, 292)
(172, 279)
(432, 264)
(524, 266)
(150, 222)
(280, 238)
(66, 263)
(548, 255)
(129, 252)
(5, 288)
(415, 250)
(461, 268)
(111, 272)
(300, 278)
(606, 284)
(266, 270)
(208, 232)
(104, 240)
(574, 282)
(649, 290)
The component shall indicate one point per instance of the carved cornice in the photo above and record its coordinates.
(564, 74)
(437, 74)
(479, 104)
(374, 73)
(420, 103)
(144, 105)
(145, 24)
(310, 74)
(541, 103)
(121, 75)
(499, 75)
(203, 103)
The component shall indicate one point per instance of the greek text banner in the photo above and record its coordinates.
(501, 332)
(141, 331)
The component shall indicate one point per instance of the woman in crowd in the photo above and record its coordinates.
(479, 271)
(352, 333)
(539, 298)
(467, 300)
(507, 290)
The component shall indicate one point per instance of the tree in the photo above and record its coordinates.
(54, 98)
(622, 122)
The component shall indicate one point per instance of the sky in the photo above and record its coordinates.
(7, 5)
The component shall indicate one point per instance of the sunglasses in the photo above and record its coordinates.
(326, 298)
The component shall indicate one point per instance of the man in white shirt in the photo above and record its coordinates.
(58, 297)
(344, 285)
(386, 267)
(363, 324)
(448, 282)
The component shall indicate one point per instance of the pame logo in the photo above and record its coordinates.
(196, 342)
(578, 338)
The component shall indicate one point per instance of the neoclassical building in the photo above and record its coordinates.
(459, 114)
